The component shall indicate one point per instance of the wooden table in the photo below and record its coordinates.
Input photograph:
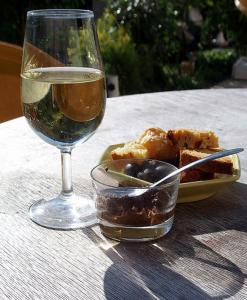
(203, 257)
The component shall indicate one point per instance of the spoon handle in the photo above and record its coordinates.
(198, 162)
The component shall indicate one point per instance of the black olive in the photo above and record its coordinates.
(146, 175)
(149, 174)
(151, 164)
(160, 172)
(141, 175)
(132, 169)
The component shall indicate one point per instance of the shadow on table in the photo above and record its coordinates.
(227, 210)
(179, 266)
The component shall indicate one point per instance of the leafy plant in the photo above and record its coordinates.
(158, 30)
(152, 24)
(216, 64)
(173, 80)
(143, 40)
(119, 53)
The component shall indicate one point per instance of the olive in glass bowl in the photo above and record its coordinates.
(125, 217)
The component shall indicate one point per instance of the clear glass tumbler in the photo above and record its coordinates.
(124, 212)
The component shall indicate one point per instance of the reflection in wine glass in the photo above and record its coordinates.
(63, 97)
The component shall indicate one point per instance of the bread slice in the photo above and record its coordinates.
(192, 139)
(130, 150)
(153, 143)
(195, 175)
(222, 165)
(158, 146)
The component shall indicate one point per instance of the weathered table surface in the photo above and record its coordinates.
(203, 257)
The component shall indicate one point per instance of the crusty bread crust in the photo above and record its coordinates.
(192, 139)
(153, 143)
(186, 144)
(222, 165)
(159, 144)
(195, 175)
(130, 150)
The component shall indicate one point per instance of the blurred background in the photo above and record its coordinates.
(156, 45)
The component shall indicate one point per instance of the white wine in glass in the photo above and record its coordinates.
(63, 99)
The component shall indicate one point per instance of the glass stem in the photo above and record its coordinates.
(67, 188)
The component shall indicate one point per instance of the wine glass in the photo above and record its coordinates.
(63, 98)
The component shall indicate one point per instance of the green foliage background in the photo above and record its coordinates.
(143, 41)
(154, 45)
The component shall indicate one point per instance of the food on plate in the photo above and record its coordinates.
(180, 147)
(152, 143)
(193, 139)
(159, 144)
(195, 175)
(130, 150)
(222, 165)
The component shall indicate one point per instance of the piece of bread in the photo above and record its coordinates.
(158, 146)
(195, 175)
(153, 143)
(130, 150)
(192, 139)
(222, 165)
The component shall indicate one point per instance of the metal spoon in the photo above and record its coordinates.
(139, 192)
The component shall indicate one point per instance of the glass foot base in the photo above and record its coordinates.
(64, 212)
